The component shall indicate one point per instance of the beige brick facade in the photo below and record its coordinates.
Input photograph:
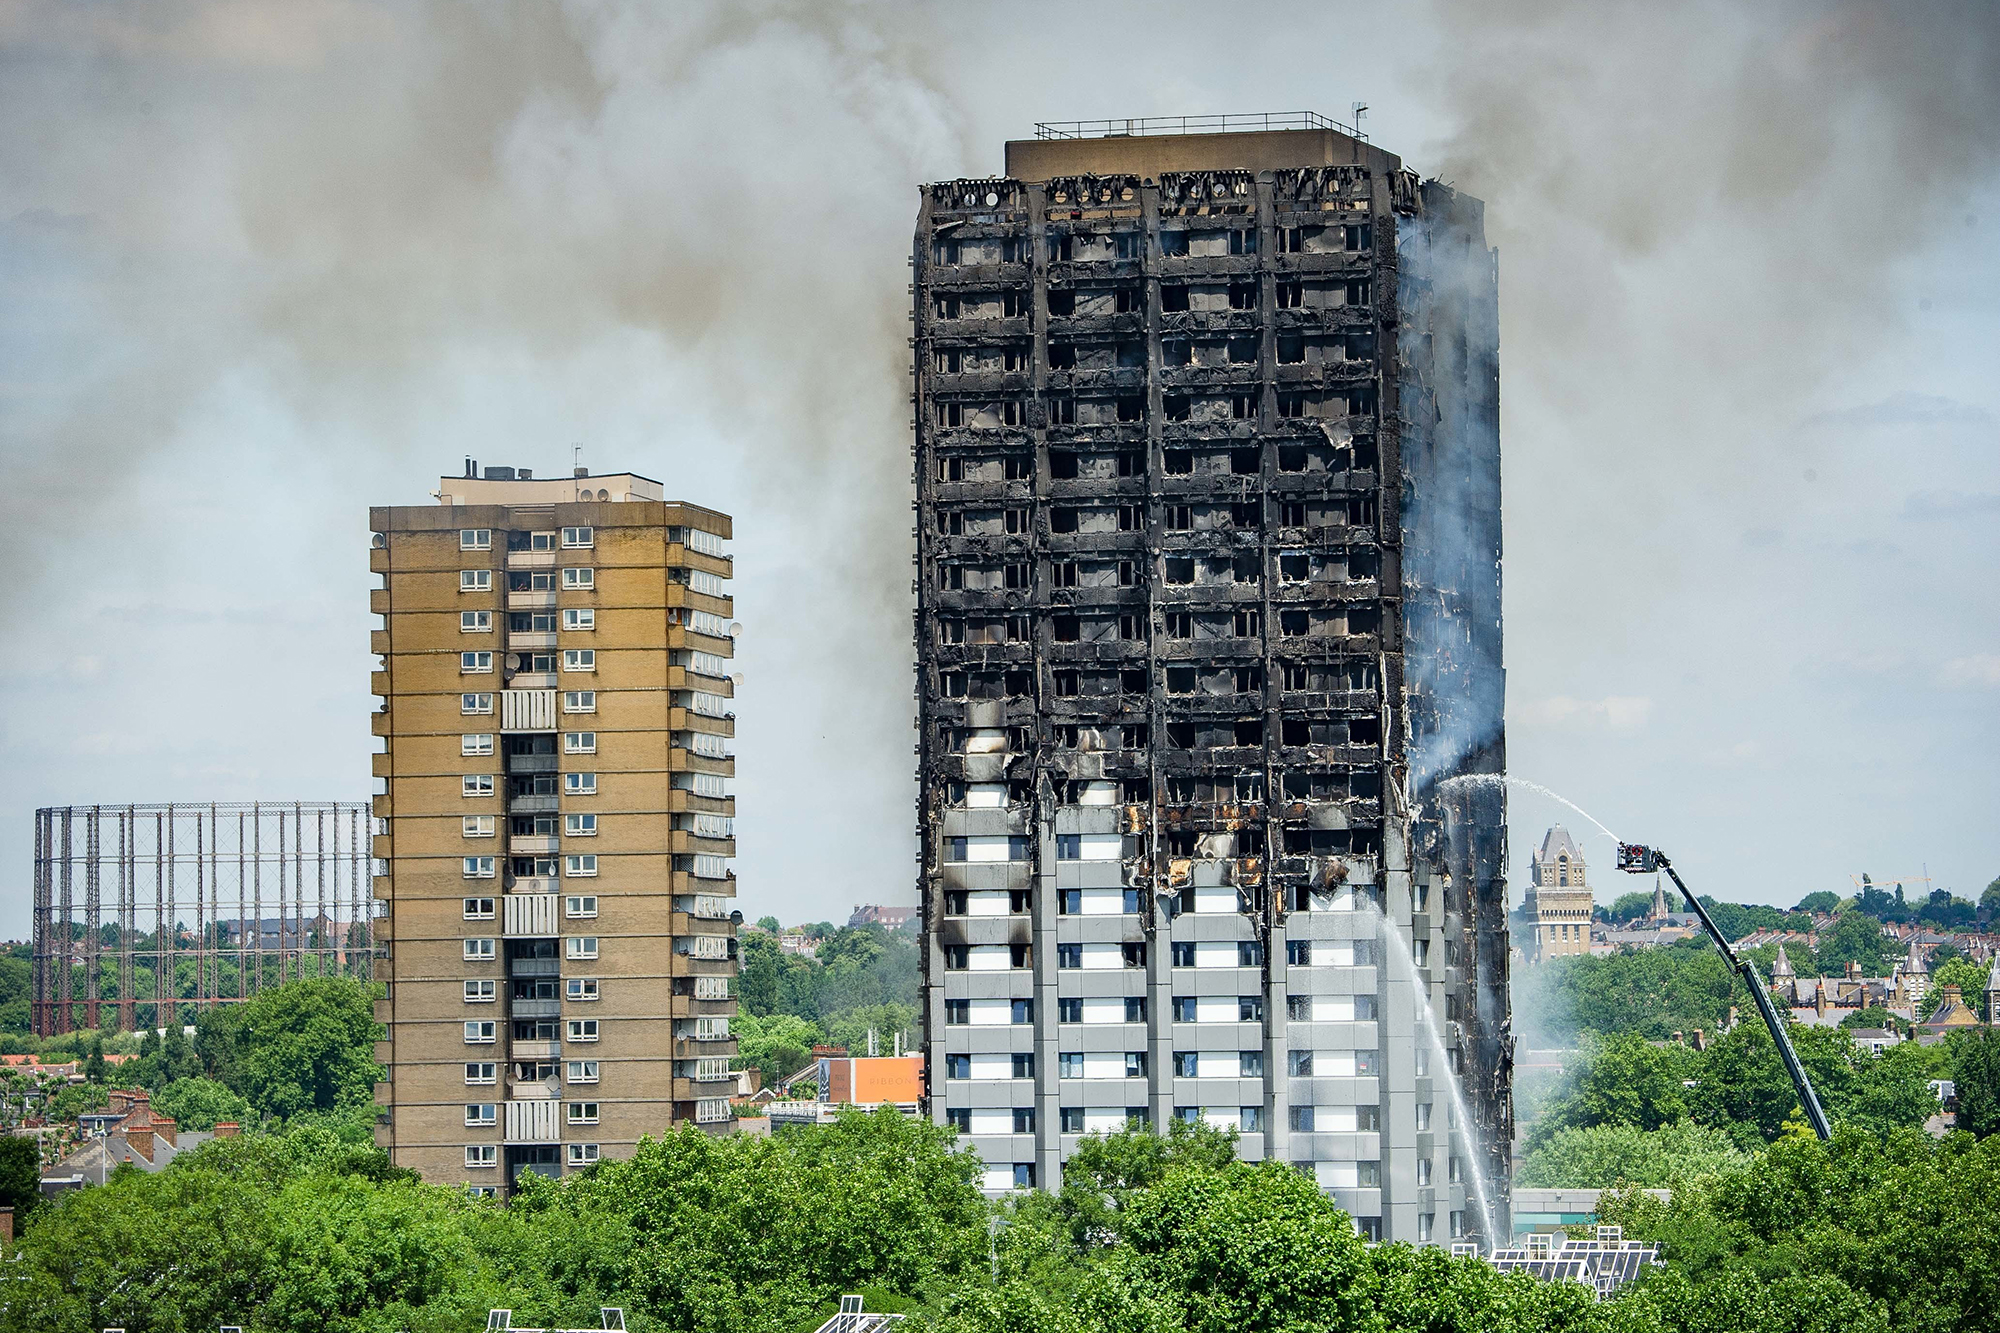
(555, 714)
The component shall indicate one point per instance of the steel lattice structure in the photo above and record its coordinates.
(185, 906)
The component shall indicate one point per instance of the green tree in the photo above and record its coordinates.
(1863, 1233)
(769, 923)
(1855, 938)
(16, 992)
(200, 1103)
(177, 1058)
(93, 1068)
(1621, 1080)
(1653, 992)
(778, 1045)
(20, 1175)
(1822, 900)
(1107, 1171)
(721, 1235)
(1610, 1156)
(1629, 906)
(1874, 1016)
(308, 1046)
(1975, 1073)
(1968, 976)
(215, 1042)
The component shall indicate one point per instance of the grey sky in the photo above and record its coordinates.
(262, 265)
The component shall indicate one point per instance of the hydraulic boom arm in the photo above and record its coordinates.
(1638, 860)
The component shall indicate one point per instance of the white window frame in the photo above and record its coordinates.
(475, 539)
(475, 664)
(580, 948)
(475, 785)
(580, 1071)
(578, 538)
(582, 865)
(482, 1115)
(579, 742)
(482, 1073)
(579, 701)
(481, 1031)
(482, 990)
(477, 867)
(579, 619)
(482, 1156)
(579, 659)
(580, 906)
(475, 580)
(579, 826)
(581, 1154)
(579, 578)
(580, 1030)
(580, 1113)
(479, 909)
(475, 744)
(476, 826)
(583, 990)
(479, 950)
(475, 622)
(579, 784)
(476, 704)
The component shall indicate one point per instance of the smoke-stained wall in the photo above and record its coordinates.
(1448, 392)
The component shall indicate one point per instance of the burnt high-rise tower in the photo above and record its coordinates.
(1207, 467)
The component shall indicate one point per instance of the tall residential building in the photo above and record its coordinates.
(1207, 471)
(555, 822)
(1559, 903)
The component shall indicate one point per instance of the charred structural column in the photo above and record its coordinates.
(1206, 481)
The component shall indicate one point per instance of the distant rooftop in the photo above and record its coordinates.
(1153, 146)
(520, 486)
(1225, 124)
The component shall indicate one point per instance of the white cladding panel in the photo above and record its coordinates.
(527, 710)
(990, 1013)
(988, 958)
(532, 1121)
(530, 914)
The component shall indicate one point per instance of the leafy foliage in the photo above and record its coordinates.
(201, 1103)
(1653, 992)
(1975, 1069)
(306, 1046)
(1609, 1156)
(1739, 1085)
(861, 977)
(1859, 1234)
(1968, 976)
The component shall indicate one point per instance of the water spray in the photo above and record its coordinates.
(1474, 1155)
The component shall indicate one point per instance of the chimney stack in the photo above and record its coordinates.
(165, 1128)
(228, 1129)
(140, 1141)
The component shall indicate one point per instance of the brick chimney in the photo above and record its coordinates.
(228, 1129)
(141, 1142)
(1700, 1040)
(141, 1109)
(164, 1128)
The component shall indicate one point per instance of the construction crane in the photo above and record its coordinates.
(1636, 860)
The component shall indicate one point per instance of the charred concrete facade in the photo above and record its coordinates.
(1207, 471)
(555, 904)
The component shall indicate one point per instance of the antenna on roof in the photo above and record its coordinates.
(1357, 111)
